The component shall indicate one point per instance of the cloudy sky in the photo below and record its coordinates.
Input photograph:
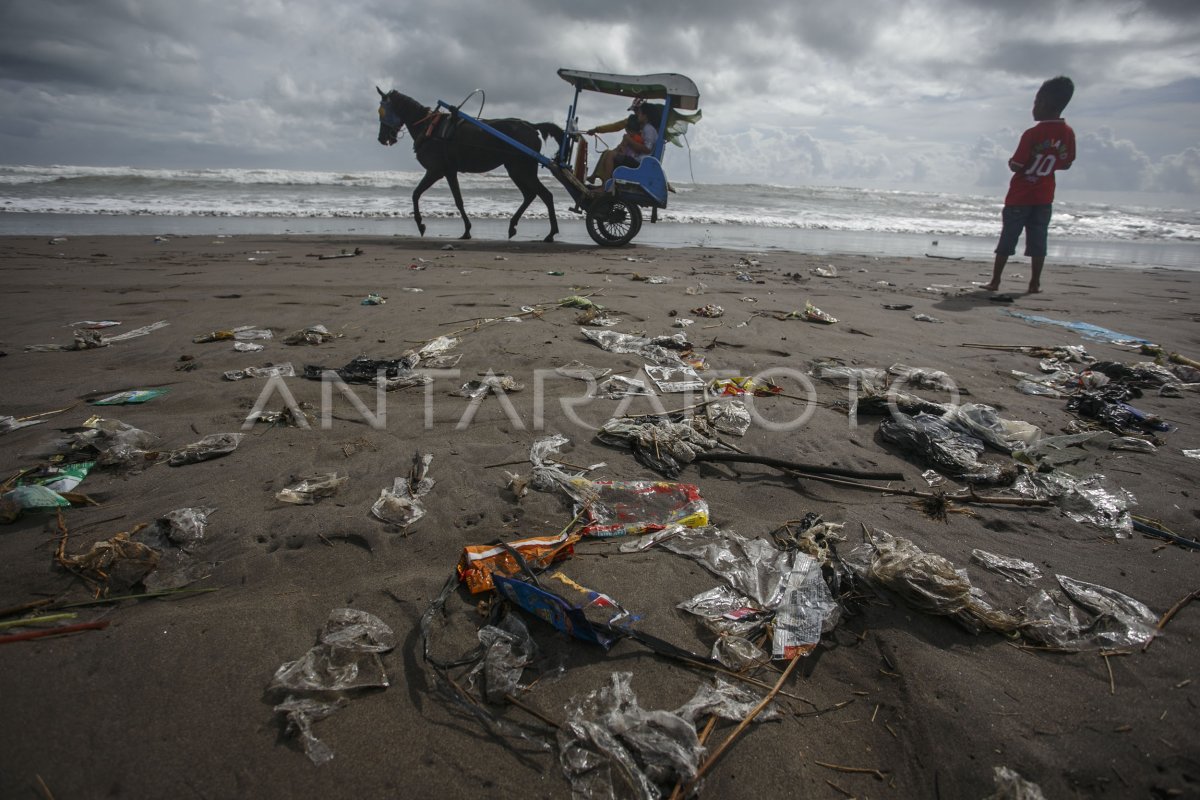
(910, 94)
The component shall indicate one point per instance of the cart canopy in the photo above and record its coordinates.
(680, 88)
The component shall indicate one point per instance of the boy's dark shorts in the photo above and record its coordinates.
(1034, 220)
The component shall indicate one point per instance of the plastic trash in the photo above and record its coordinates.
(867, 379)
(479, 563)
(111, 564)
(672, 379)
(1082, 499)
(814, 314)
(507, 650)
(581, 371)
(753, 567)
(1011, 786)
(737, 387)
(244, 333)
(401, 504)
(285, 370)
(711, 311)
(985, 423)
(567, 616)
(1121, 621)
(88, 339)
(309, 490)
(177, 538)
(1050, 619)
(247, 347)
(20, 499)
(212, 446)
(660, 444)
(657, 350)
(110, 442)
(630, 508)
(1132, 444)
(682, 322)
(932, 584)
(937, 444)
(728, 415)
(8, 424)
(827, 271)
(1037, 389)
(919, 378)
(345, 659)
(367, 370)
(313, 334)
(1014, 569)
(373, 299)
(805, 610)
(925, 318)
(618, 386)
(608, 745)
(491, 384)
(1087, 330)
(131, 397)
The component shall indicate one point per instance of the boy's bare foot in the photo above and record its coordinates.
(992, 287)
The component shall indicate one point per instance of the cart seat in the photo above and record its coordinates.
(646, 183)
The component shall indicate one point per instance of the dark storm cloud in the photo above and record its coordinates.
(910, 93)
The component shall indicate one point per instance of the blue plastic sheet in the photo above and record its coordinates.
(1087, 330)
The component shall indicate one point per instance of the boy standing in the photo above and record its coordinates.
(1044, 149)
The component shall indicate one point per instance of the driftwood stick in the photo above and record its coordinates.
(1175, 609)
(82, 626)
(805, 469)
(957, 498)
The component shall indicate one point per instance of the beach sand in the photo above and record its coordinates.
(170, 699)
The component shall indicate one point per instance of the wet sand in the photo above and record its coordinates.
(170, 698)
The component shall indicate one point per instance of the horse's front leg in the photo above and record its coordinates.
(431, 177)
(548, 199)
(452, 179)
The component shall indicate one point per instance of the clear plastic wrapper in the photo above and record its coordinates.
(401, 504)
(657, 350)
(285, 370)
(581, 371)
(113, 443)
(806, 609)
(866, 379)
(491, 384)
(931, 583)
(672, 379)
(1088, 501)
(345, 659)
(1049, 618)
(1015, 569)
(754, 567)
(729, 415)
(507, 650)
(609, 743)
(904, 376)
(309, 490)
(1121, 621)
(368, 370)
(629, 508)
(313, 334)
(214, 445)
(983, 422)
(726, 700)
(1011, 786)
(618, 387)
(1132, 444)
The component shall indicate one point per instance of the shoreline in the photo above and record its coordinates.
(171, 698)
(1114, 254)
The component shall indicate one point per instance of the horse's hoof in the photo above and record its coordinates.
(465, 236)
(549, 238)
(512, 232)
(421, 228)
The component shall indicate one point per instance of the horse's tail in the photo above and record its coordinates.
(548, 129)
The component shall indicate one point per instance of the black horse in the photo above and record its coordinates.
(446, 147)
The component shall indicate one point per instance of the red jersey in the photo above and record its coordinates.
(1045, 148)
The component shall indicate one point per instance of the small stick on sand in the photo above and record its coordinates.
(82, 626)
(1112, 684)
(1175, 609)
(712, 759)
(879, 775)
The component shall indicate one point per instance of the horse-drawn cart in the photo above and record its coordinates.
(612, 210)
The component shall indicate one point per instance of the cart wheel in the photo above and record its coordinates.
(612, 222)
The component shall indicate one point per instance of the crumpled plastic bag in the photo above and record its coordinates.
(657, 349)
(313, 334)
(608, 741)
(214, 445)
(1121, 621)
(940, 446)
(866, 379)
(345, 659)
(1082, 499)
(1014, 569)
(1011, 786)
(983, 422)
(920, 378)
(112, 442)
(490, 384)
(507, 650)
(311, 489)
(658, 443)
(401, 503)
(932, 584)
(729, 415)
(177, 537)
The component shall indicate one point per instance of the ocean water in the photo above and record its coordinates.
(65, 200)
